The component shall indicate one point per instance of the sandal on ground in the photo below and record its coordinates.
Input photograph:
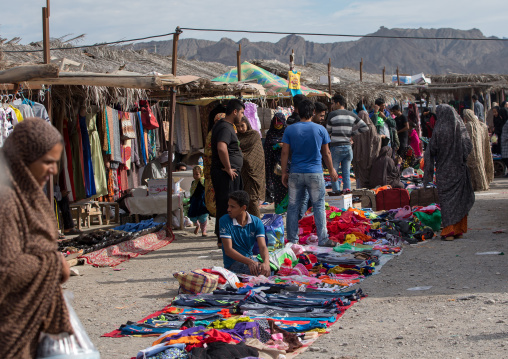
(196, 230)
(204, 235)
(458, 236)
(448, 239)
(72, 232)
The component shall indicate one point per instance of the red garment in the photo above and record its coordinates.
(211, 336)
(68, 153)
(222, 280)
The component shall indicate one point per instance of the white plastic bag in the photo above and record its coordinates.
(63, 345)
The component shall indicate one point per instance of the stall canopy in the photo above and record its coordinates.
(274, 85)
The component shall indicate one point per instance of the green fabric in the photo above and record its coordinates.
(99, 171)
(348, 247)
(431, 220)
(272, 83)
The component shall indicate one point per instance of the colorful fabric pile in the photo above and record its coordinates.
(257, 316)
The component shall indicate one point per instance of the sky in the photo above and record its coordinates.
(107, 20)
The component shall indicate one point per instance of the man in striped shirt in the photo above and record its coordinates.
(339, 124)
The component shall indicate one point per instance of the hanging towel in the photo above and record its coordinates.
(117, 139)
(99, 171)
(141, 138)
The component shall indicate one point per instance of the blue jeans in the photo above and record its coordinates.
(342, 155)
(298, 184)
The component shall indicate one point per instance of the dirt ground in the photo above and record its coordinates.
(463, 315)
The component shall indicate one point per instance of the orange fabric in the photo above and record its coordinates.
(455, 229)
(377, 190)
(185, 340)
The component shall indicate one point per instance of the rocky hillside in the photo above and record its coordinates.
(412, 56)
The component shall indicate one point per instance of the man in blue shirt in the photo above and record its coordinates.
(308, 143)
(239, 231)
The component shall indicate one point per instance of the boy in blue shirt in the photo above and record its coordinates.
(239, 231)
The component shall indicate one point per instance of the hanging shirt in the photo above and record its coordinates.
(294, 83)
(38, 109)
(25, 110)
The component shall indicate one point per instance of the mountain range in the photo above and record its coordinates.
(410, 55)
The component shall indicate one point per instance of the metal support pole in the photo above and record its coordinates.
(169, 216)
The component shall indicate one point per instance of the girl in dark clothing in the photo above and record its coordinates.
(273, 149)
(198, 213)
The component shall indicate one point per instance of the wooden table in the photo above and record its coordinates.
(107, 206)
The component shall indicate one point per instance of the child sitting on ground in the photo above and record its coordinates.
(198, 213)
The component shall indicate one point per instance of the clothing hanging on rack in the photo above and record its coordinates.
(251, 112)
(101, 186)
(87, 158)
(38, 108)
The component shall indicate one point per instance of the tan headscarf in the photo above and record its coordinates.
(366, 147)
(31, 298)
(479, 161)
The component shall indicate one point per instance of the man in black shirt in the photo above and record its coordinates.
(402, 128)
(227, 160)
(295, 117)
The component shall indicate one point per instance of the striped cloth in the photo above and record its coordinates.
(339, 124)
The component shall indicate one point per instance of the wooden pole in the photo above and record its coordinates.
(398, 77)
(239, 62)
(47, 60)
(292, 60)
(330, 82)
(384, 71)
(174, 59)
(471, 99)
(361, 70)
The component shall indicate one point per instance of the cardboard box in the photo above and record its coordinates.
(157, 186)
(344, 201)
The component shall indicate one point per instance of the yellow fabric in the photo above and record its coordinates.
(319, 330)
(294, 80)
(350, 238)
(228, 323)
(19, 116)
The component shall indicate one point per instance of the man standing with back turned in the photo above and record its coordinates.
(308, 142)
(340, 123)
(227, 160)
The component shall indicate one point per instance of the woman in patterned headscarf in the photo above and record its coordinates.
(31, 268)
(216, 114)
(273, 150)
(479, 162)
(447, 152)
(253, 169)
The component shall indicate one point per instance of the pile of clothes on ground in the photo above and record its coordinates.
(101, 238)
(387, 228)
(223, 315)
(219, 314)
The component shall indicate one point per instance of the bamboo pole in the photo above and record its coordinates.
(169, 215)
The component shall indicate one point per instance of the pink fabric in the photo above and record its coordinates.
(414, 142)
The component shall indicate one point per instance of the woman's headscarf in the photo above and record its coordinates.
(479, 161)
(274, 136)
(30, 265)
(448, 151)
(366, 148)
